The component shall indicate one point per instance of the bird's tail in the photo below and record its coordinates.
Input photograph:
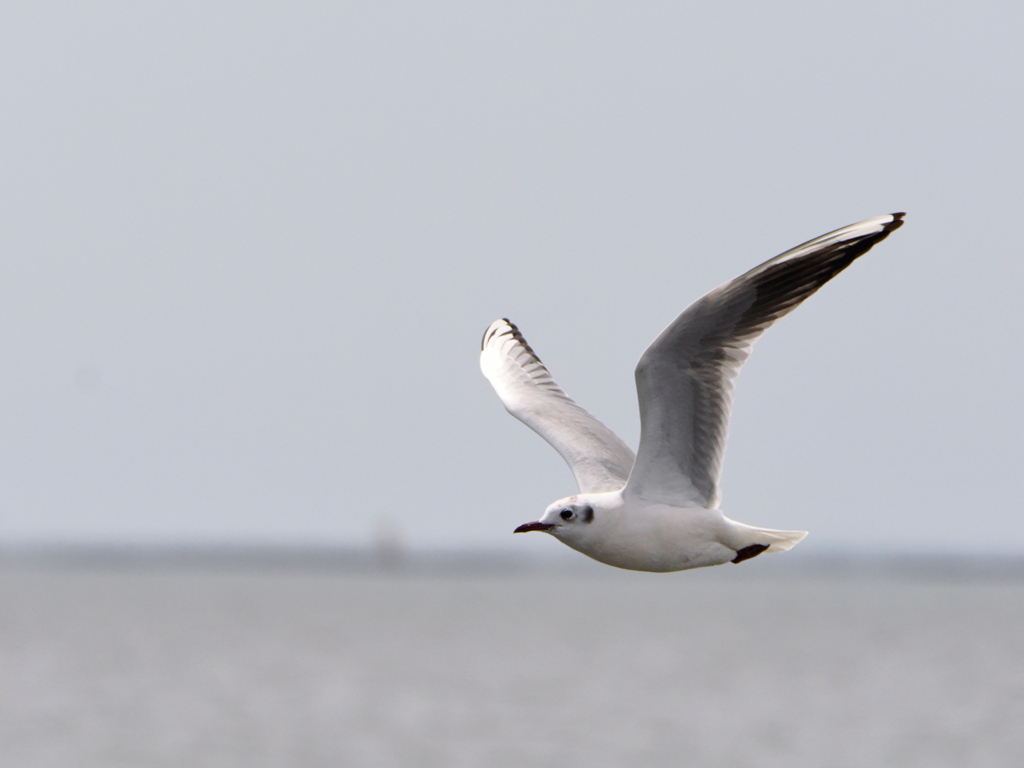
(780, 541)
(775, 540)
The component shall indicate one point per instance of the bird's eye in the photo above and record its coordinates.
(566, 514)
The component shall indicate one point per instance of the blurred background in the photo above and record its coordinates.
(251, 249)
(249, 252)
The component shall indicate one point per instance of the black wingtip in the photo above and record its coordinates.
(513, 331)
(745, 553)
(489, 334)
(887, 229)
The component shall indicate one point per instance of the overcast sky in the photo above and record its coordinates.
(249, 250)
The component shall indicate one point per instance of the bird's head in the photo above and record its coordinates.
(562, 517)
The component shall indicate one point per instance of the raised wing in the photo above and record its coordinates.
(599, 460)
(685, 378)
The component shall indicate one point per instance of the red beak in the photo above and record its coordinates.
(527, 527)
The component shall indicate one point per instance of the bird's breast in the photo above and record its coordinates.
(655, 538)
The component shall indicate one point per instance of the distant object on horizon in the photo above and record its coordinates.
(658, 510)
(389, 551)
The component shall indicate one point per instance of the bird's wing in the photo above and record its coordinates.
(599, 460)
(685, 378)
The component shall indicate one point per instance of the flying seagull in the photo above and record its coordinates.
(658, 510)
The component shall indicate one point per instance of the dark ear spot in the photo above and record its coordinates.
(587, 514)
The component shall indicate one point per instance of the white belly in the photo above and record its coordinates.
(656, 538)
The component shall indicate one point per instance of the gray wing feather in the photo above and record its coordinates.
(599, 460)
(685, 378)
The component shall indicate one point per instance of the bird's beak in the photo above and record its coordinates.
(527, 527)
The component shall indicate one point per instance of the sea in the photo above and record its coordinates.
(209, 661)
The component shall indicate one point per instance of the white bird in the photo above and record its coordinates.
(658, 510)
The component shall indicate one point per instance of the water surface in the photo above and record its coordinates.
(184, 665)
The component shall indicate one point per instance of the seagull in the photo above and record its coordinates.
(658, 510)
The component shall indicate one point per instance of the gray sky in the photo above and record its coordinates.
(249, 252)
